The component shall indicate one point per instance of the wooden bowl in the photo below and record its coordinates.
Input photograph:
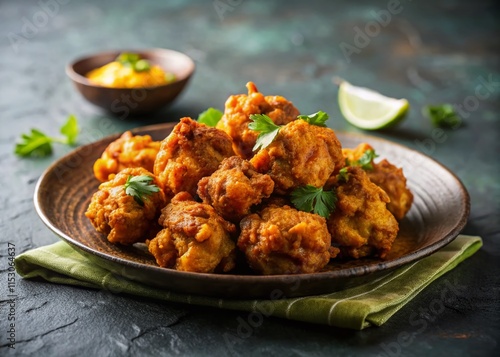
(123, 102)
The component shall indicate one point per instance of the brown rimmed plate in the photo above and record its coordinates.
(439, 212)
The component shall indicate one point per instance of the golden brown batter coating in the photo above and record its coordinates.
(194, 238)
(126, 151)
(361, 224)
(389, 178)
(239, 107)
(117, 215)
(234, 188)
(283, 240)
(301, 154)
(190, 152)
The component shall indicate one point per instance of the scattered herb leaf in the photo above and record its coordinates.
(70, 130)
(38, 144)
(267, 129)
(309, 198)
(139, 187)
(35, 144)
(318, 118)
(442, 116)
(210, 117)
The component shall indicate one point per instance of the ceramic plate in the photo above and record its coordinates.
(439, 212)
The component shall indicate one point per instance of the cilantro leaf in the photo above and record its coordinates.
(70, 130)
(38, 144)
(34, 144)
(442, 116)
(318, 118)
(139, 187)
(142, 65)
(343, 175)
(309, 198)
(210, 117)
(365, 161)
(268, 130)
(134, 61)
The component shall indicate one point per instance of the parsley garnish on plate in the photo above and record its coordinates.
(442, 116)
(139, 187)
(210, 117)
(365, 161)
(266, 128)
(38, 144)
(313, 199)
(318, 118)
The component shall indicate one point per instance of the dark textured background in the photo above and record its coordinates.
(430, 52)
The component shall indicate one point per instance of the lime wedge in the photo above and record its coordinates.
(370, 110)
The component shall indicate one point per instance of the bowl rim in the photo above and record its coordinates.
(81, 79)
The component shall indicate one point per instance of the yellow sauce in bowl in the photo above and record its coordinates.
(119, 74)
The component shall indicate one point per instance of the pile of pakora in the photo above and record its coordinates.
(265, 187)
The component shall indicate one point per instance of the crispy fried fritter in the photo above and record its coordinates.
(361, 224)
(190, 152)
(239, 107)
(194, 238)
(389, 178)
(301, 154)
(283, 240)
(234, 188)
(117, 215)
(126, 151)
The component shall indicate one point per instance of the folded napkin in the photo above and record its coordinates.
(356, 308)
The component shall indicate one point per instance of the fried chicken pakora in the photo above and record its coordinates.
(126, 151)
(283, 240)
(361, 224)
(190, 152)
(389, 178)
(234, 188)
(301, 154)
(239, 107)
(194, 238)
(119, 216)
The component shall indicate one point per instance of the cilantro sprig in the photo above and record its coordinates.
(318, 118)
(365, 161)
(442, 116)
(134, 61)
(267, 129)
(38, 144)
(210, 117)
(343, 175)
(140, 187)
(313, 199)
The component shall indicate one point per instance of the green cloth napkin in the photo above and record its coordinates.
(356, 308)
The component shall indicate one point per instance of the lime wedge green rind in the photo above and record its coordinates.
(368, 109)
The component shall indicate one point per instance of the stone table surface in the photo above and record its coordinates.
(429, 52)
